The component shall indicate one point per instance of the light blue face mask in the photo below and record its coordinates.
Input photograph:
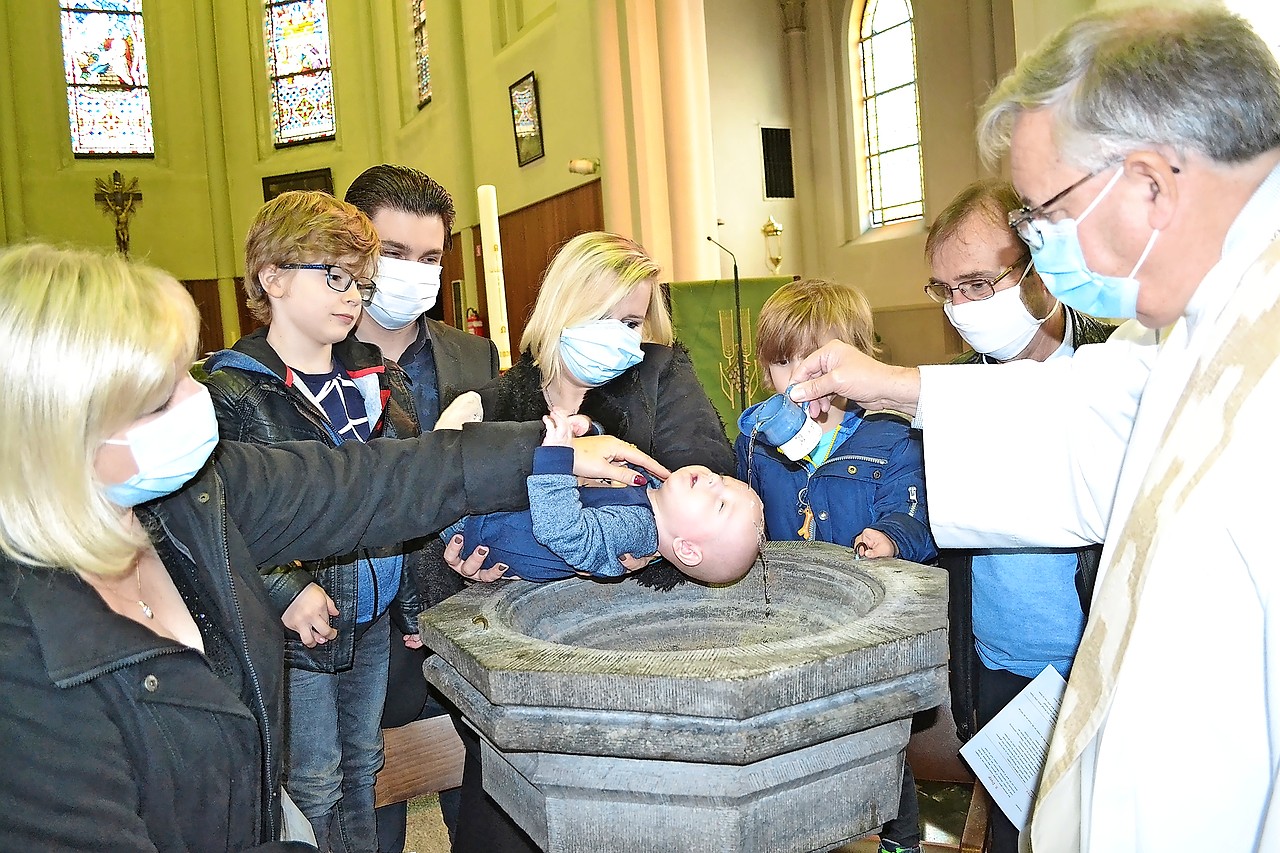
(169, 450)
(600, 350)
(1065, 272)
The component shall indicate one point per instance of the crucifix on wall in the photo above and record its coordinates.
(118, 199)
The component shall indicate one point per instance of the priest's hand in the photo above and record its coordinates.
(840, 370)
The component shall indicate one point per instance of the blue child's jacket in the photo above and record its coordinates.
(875, 478)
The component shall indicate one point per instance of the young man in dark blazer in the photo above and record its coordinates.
(413, 216)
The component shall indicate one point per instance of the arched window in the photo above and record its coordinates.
(886, 53)
(105, 58)
(297, 36)
(421, 53)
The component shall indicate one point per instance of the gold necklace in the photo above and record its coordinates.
(146, 608)
(137, 572)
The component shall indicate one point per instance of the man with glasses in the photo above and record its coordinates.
(1012, 611)
(309, 259)
(1146, 145)
(989, 288)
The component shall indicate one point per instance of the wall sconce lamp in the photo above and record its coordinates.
(585, 166)
(772, 232)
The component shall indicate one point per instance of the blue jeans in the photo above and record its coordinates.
(335, 744)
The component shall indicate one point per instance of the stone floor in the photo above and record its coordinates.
(942, 808)
(426, 832)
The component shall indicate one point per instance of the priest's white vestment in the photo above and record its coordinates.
(1169, 734)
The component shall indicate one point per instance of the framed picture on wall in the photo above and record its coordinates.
(526, 119)
(314, 179)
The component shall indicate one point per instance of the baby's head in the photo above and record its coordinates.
(709, 526)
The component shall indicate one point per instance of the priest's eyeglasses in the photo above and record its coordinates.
(1024, 218)
(339, 280)
(974, 289)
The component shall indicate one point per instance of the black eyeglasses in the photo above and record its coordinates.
(339, 280)
(1023, 219)
(974, 289)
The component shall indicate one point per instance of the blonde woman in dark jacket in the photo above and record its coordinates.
(598, 343)
(140, 660)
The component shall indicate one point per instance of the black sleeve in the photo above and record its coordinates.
(687, 428)
(301, 500)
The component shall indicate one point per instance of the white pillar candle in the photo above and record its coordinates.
(494, 287)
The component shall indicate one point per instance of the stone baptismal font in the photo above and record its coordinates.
(767, 715)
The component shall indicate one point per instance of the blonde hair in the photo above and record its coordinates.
(801, 316)
(305, 227)
(587, 279)
(91, 342)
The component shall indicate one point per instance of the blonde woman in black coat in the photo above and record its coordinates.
(598, 343)
(140, 661)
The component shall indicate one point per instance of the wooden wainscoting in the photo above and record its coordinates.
(917, 334)
(530, 237)
(205, 293)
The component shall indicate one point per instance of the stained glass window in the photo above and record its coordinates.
(421, 53)
(297, 36)
(105, 58)
(886, 49)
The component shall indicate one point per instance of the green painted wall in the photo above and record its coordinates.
(212, 119)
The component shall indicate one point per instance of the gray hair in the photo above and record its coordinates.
(1195, 79)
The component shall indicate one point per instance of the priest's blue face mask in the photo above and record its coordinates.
(600, 350)
(169, 450)
(1059, 259)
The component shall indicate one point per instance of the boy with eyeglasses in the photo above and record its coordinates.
(309, 259)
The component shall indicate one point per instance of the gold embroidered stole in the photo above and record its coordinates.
(1222, 380)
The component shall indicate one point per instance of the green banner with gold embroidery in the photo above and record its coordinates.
(703, 314)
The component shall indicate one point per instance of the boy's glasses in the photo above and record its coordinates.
(339, 280)
(974, 290)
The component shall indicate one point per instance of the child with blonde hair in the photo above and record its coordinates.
(861, 486)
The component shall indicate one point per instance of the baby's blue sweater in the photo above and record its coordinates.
(568, 530)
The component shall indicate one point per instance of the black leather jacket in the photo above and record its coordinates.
(255, 401)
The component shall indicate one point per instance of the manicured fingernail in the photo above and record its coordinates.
(482, 551)
(639, 480)
(457, 539)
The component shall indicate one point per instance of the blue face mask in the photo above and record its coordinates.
(599, 351)
(169, 450)
(1062, 267)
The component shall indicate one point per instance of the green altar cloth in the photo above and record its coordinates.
(702, 312)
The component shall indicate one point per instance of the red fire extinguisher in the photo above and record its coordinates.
(474, 324)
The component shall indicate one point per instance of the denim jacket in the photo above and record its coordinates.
(874, 478)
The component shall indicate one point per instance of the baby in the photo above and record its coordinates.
(708, 526)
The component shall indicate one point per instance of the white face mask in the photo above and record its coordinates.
(406, 291)
(1000, 326)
